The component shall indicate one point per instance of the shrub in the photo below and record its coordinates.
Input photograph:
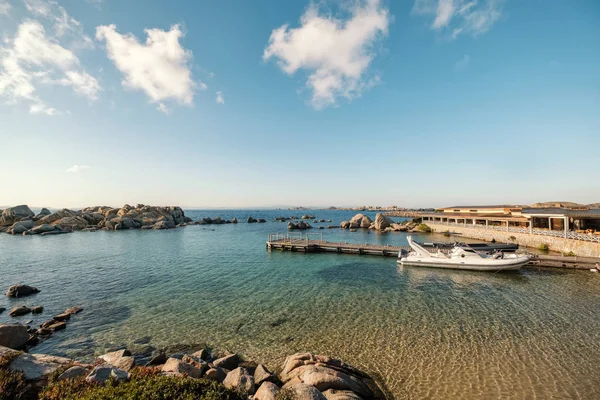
(424, 228)
(143, 385)
(512, 238)
(14, 386)
(543, 247)
(569, 254)
(447, 233)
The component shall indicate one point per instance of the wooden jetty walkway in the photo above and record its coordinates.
(292, 242)
(314, 243)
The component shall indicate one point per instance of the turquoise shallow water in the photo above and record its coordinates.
(424, 333)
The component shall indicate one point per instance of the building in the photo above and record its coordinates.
(566, 220)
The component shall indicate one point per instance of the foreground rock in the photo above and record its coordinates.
(177, 367)
(102, 373)
(121, 359)
(13, 336)
(303, 376)
(324, 373)
(240, 380)
(36, 366)
(267, 391)
(21, 290)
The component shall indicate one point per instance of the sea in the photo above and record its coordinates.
(421, 333)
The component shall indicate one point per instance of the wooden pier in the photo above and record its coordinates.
(291, 242)
(314, 243)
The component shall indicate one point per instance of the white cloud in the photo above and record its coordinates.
(160, 67)
(337, 53)
(201, 85)
(33, 58)
(463, 62)
(78, 168)
(4, 7)
(163, 109)
(220, 98)
(456, 17)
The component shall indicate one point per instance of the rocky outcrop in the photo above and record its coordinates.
(324, 373)
(13, 336)
(358, 221)
(18, 220)
(382, 222)
(299, 226)
(252, 220)
(229, 362)
(14, 214)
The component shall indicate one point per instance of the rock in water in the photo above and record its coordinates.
(13, 336)
(37, 310)
(267, 391)
(240, 380)
(251, 220)
(228, 362)
(18, 311)
(21, 290)
(382, 222)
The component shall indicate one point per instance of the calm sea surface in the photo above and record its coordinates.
(423, 333)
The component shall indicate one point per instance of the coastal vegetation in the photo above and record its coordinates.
(424, 228)
(543, 247)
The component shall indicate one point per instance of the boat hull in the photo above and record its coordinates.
(508, 266)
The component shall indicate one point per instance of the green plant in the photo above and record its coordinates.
(424, 228)
(543, 247)
(144, 384)
(512, 238)
(569, 254)
(447, 233)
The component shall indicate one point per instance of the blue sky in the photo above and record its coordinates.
(261, 103)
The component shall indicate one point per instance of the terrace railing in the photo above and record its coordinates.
(588, 237)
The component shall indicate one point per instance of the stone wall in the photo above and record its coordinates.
(579, 247)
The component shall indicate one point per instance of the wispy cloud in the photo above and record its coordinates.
(457, 17)
(220, 98)
(78, 168)
(336, 53)
(4, 7)
(462, 63)
(163, 109)
(33, 58)
(160, 67)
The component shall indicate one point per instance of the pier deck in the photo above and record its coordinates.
(316, 244)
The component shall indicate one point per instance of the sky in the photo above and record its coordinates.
(414, 103)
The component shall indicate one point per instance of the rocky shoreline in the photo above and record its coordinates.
(302, 376)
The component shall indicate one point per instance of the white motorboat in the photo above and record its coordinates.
(461, 257)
